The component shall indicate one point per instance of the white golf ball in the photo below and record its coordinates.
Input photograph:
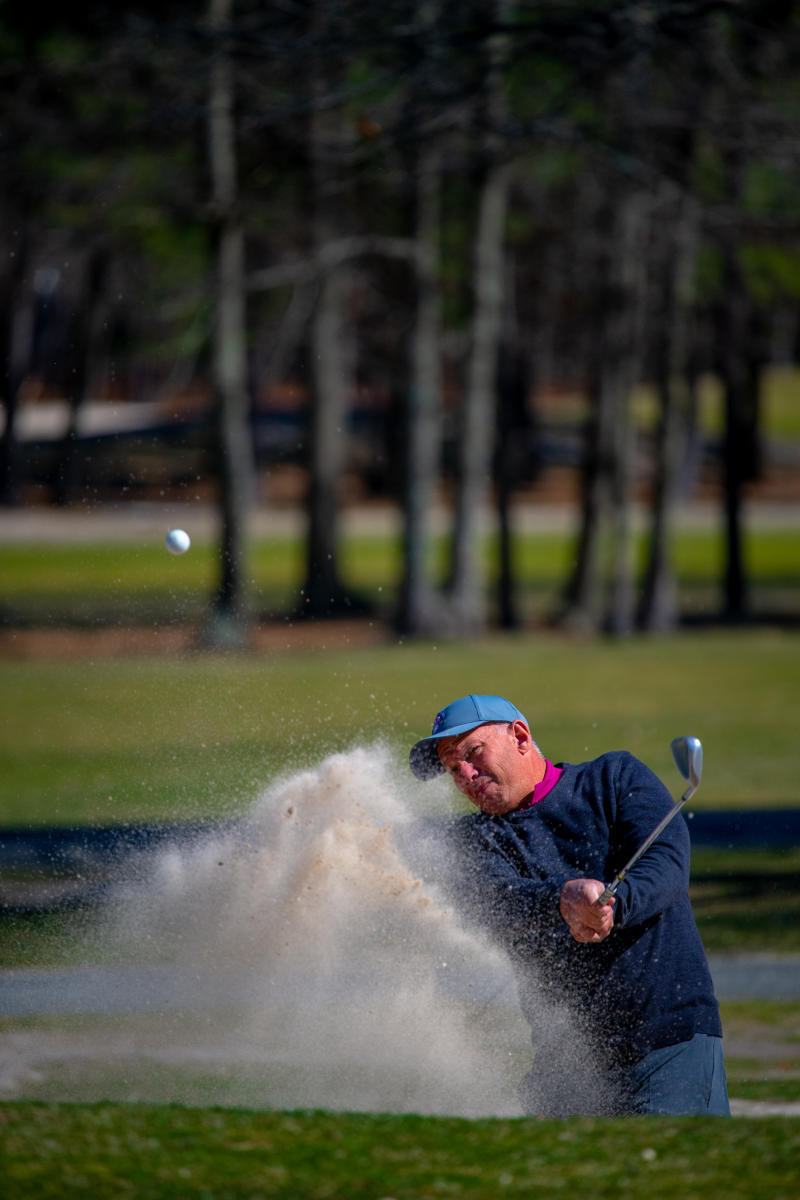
(177, 541)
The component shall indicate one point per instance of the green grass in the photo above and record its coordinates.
(89, 1057)
(780, 405)
(780, 402)
(762, 1049)
(772, 1089)
(107, 584)
(779, 417)
(145, 1151)
(198, 736)
(781, 408)
(40, 939)
(747, 898)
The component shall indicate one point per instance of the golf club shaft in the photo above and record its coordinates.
(611, 888)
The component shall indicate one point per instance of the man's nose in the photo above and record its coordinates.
(463, 770)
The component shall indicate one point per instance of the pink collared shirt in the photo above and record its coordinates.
(546, 784)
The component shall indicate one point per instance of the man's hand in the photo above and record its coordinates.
(588, 921)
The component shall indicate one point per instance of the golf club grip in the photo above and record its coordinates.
(608, 893)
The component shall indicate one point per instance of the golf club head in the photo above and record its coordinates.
(688, 755)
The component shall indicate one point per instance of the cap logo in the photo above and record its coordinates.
(439, 721)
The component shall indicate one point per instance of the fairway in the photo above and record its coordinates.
(121, 740)
(197, 736)
(117, 740)
(129, 579)
(149, 1152)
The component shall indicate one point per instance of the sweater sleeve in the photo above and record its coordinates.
(486, 886)
(661, 875)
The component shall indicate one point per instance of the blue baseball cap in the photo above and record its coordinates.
(459, 717)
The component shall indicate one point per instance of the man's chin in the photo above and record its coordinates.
(493, 806)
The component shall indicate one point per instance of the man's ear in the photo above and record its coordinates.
(522, 735)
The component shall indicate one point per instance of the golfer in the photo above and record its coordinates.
(618, 996)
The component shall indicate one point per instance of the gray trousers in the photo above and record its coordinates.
(687, 1079)
(683, 1080)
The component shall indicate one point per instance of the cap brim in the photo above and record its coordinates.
(423, 758)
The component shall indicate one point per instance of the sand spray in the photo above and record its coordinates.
(302, 944)
(303, 955)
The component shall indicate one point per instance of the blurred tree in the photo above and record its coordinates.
(640, 210)
(513, 459)
(90, 181)
(676, 213)
(85, 338)
(331, 369)
(16, 319)
(24, 124)
(420, 605)
(227, 625)
(478, 412)
(600, 591)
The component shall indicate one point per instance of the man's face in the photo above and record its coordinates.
(491, 765)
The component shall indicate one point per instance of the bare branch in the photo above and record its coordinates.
(333, 254)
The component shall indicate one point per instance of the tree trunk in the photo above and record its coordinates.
(227, 626)
(512, 457)
(331, 346)
(581, 608)
(419, 602)
(16, 341)
(421, 608)
(476, 429)
(324, 594)
(600, 592)
(734, 329)
(627, 351)
(659, 606)
(84, 347)
(477, 426)
(737, 390)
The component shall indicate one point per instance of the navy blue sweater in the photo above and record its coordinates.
(647, 985)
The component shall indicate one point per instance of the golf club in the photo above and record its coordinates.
(687, 753)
